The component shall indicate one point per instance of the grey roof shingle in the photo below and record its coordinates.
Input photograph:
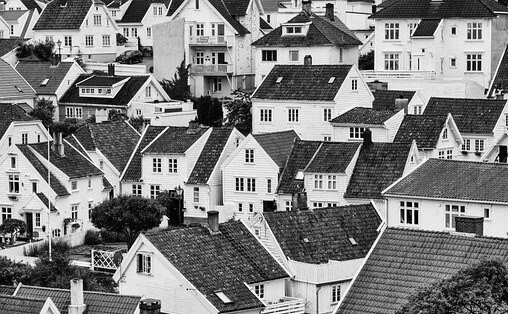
(63, 14)
(385, 99)
(378, 166)
(12, 15)
(237, 7)
(500, 80)
(360, 115)
(45, 201)
(12, 84)
(426, 28)
(175, 140)
(270, 5)
(405, 260)
(19, 305)
(99, 80)
(303, 82)
(220, 261)
(424, 129)
(332, 157)
(31, 5)
(277, 145)
(136, 11)
(9, 44)
(322, 234)
(36, 72)
(7, 290)
(450, 179)
(478, 116)
(10, 113)
(264, 24)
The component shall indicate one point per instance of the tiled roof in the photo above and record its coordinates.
(300, 155)
(360, 115)
(378, 166)
(303, 82)
(99, 80)
(12, 15)
(424, 129)
(27, 24)
(8, 44)
(426, 28)
(264, 24)
(405, 260)
(72, 141)
(96, 302)
(133, 168)
(175, 140)
(45, 201)
(121, 99)
(450, 179)
(136, 11)
(322, 32)
(270, 5)
(36, 72)
(31, 4)
(115, 140)
(322, 234)
(385, 99)
(12, 84)
(332, 157)
(221, 261)
(430, 9)
(10, 113)
(63, 14)
(7, 290)
(478, 116)
(277, 145)
(237, 7)
(18, 305)
(209, 156)
(500, 80)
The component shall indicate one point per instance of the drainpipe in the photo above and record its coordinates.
(317, 299)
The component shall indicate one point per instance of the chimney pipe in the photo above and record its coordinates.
(77, 305)
(401, 103)
(307, 60)
(149, 306)
(213, 220)
(2, 6)
(307, 6)
(111, 69)
(367, 138)
(58, 146)
(329, 12)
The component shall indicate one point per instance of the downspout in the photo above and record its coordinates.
(317, 299)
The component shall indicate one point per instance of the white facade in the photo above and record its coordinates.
(143, 30)
(32, 131)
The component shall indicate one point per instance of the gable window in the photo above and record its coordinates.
(453, 30)
(452, 211)
(74, 185)
(113, 13)
(354, 84)
(293, 56)
(6, 213)
(341, 54)
(266, 115)
(335, 293)
(24, 138)
(149, 32)
(196, 4)
(173, 165)
(318, 181)
(13, 183)
(13, 162)
(474, 62)
(196, 194)
(327, 114)
(101, 164)
(249, 156)
(293, 115)
(106, 40)
(89, 41)
(144, 263)
(200, 29)
(136, 189)
(332, 182)
(259, 290)
(392, 31)
(74, 212)
(148, 91)
(479, 145)
(269, 186)
(154, 191)
(445, 134)
(474, 31)
(356, 132)
(157, 165)
(97, 20)
(268, 55)
(126, 32)
(251, 208)
(10, 140)
(409, 213)
(392, 61)
(67, 41)
(134, 32)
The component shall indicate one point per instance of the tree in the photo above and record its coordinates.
(116, 115)
(178, 87)
(120, 39)
(170, 204)
(128, 215)
(366, 61)
(239, 112)
(44, 111)
(209, 111)
(14, 227)
(11, 271)
(41, 50)
(137, 122)
(481, 288)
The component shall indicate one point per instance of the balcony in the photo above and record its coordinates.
(225, 41)
(212, 69)
(397, 75)
(286, 305)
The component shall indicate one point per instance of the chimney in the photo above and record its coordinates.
(58, 146)
(300, 201)
(213, 221)
(367, 138)
(55, 59)
(307, 60)
(77, 305)
(2, 6)
(377, 85)
(401, 103)
(329, 12)
(111, 69)
(307, 6)
(149, 306)
(473, 225)
(193, 124)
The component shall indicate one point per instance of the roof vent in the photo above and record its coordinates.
(45, 82)
(299, 175)
(305, 240)
(279, 79)
(331, 80)
(352, 241)
(223, 297)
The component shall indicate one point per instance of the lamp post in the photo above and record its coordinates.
(179, 194)
(59, 43)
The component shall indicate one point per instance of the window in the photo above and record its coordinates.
(318, 181)
(240, 207)
(160, 10)
(74, 185)
(148, 91)
(453, 62)
(196, 4)
(74, 212)
(452, 211)
(38, 138)
(332, 182)
(239, 186)
(97, 20)
(49, 38)
(24, 138)
(67, 41)
(144, 263)
(10, 140)
(331, 204)
(173, 165)
(356, 132)
(1, 34)
(106, 40)
(217, 84)
(354, 84)
(90, 207)
(486, 213)
(134, 32)
(13, 162)
(196, 194)
(412, 27)
(89, 183)
(268, 55)
(479, 145)
(251, 208)
(445, 134)
(157, 165)
(293, 29)
(149, 32)
(136, 189)
(288, 206)
(268, 185)
(251, 185)
(126, 32)
(293, 56)
(14, 183)
(37, 219)
(341, 54)
(78, 112)
(473, 62)
(266, 115)
(34, 187)
(12, 29)
(268, 18)
(335, 293)
(327, 138)
(200, 29)
(453, 31)
(466, 146)
(392, 31)
(449, 154)
(200, 57)
(327, 114)
(317, 204)
(89, 41)
(154, 191)
(409, 213)
(392, 61)
(56, 232)
(293, 115)
(474, 31)
(249, 156)
(113, 13)
(6, 213)
(259, 290)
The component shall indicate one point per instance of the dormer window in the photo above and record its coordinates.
(279, 79)
(293, 29)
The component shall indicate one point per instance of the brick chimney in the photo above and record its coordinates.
(149, 306)
(111, 69)
(213, 220)
(472, 225)
(329, 12)
(307, 6)
(401, 103)
(300, 201)
(77, 305)
(367, 138)
(58, 146)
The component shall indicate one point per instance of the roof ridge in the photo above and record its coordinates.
(84, 291)
(445, 232)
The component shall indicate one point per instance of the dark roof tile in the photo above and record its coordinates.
(332, 157)
(12, 84)
(9, 44)
(426, 28)
(175, 140)
(7, 290)
(385, 99)
(424, 129)
(136, 11)
(18, 305)
(45, 201)
(500, 80)
(10, 113)
(277, 145)
(99, 80)
(264, 24)
(36, 72)
(58, 16)
(360, 115)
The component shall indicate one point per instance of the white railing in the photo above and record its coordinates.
(217, 69)
(287, 305)
(391, 75)
(106, 260)
(211, 40)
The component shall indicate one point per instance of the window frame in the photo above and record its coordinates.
(405, 208)
(144, 264)
(450, 216)
(392, 31)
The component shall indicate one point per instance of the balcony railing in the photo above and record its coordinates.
(286, 305)
(212, 69)
(211, 40)
(394, 75)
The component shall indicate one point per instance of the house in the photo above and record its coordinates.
(444, 40)
(14, 88)
(306, 39)
(304, 98)
(215, 38)
(79, 28)
(27, 12)
(436, 136)
(221, 268)
(271, 9)
(447, 189)
(388, 99)
(4, 27)
(108, 145)
(323, 249)
(481, 122)
(250, 175)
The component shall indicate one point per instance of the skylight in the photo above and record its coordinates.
(19, 89)
(305, 240)
(331, 80)
(279, 79)
(352, 241)
(299, 175)
(223, 297)
(45, 82)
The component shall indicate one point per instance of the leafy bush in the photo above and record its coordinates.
(112, 237)
(92, 237)
(42, 50)
(38, 250)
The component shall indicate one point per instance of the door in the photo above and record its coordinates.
(503, 152)
(29, 224)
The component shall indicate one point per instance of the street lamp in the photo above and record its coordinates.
(59, 43)
(179, 194)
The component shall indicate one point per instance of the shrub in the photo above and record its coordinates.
(38, 250)
(92, 237)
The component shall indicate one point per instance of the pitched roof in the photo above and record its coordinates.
(63, 14)
(121, 99)
(322, 32)
(450, 179)
(7, 290)
(430, 9)
(10, 113)
(37, 72)
(96, 302)
(45, 201)
(136, 11)
(295, 83)
(301, 153)
(12, 15)
(277, 145)
(500, 80)
(27, 24)
(270, 5)
(115, 140)
(385, 99)
(478, 116)
(360, 115)
(332, 157)
(225, 261)
(405, 260)
(100, 80)
(12, 84)
(18, 305)
(264, 24)
(9, 44)
(322, 234)
(209, 156)
(378, 166)
(426, 28)
(424, 129)
(237, 7)
(175, 140)
(31, 5)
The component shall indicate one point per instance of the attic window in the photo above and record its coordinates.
(223, 297)
(331, 80)
(299, 175)
(352, 241)
(19, 89)
(279, 79)
(45, 82)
